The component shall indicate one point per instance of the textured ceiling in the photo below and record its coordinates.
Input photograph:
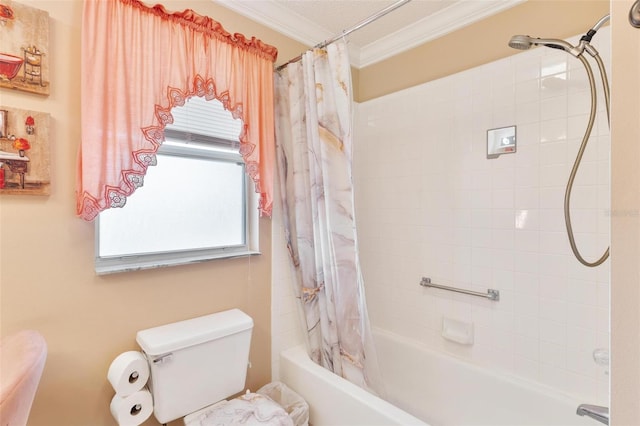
(416, 22)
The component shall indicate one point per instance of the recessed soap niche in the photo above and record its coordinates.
(457, 331)
(501, 141)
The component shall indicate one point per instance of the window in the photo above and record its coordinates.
(196, 204)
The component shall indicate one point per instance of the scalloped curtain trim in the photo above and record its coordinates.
(138, 62)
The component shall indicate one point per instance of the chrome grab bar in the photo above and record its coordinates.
(596, 412)
(491, 294)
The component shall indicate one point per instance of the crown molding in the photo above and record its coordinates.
(445, 21)
(276, 16)
(273, 14)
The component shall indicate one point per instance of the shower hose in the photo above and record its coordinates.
(583, 146)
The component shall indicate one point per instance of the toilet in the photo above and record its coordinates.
(197, 363)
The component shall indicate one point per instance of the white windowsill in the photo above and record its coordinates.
(105, 266)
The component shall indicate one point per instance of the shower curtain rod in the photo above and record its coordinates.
(348, 31)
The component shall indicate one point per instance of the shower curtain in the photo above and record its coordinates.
(314, 149)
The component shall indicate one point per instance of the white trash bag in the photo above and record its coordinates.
(250, 409)
(292, 403)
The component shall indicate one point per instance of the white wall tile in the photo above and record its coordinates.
(527, 198)
(553, 309)
(528, 134)
(527, 326)
(526, 241)
(528, 92)
(553, 63)
(503, 279)
(553, 130)
(576, 125)
(502, 199)
(527, 219)
(552, 218)
(551, 197)
(527, 283)
(553, 355)
(553, 152)
(579, 103)
(551, 174)
(526, 262)
(553, 108)
(527, 176)
(553, 242)
(552, 332)
(527, 67)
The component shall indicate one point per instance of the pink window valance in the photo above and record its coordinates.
(138, 62)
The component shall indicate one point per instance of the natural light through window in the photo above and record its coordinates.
(196, 204)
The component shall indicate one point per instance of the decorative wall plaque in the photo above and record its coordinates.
(24, 48)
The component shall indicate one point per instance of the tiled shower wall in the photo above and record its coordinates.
(429, 203)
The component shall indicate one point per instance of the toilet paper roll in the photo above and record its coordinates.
(128, 373)
(133, 409)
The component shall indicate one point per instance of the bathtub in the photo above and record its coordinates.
(425, 387)
(10, 65)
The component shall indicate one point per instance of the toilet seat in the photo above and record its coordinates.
(250, 409)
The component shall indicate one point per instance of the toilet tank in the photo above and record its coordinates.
(196, 362)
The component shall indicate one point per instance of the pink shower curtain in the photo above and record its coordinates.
(314, 147)
(138, 62)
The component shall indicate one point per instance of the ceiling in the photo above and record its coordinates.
(418, 21)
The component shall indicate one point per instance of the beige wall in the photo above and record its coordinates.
(46, 255)
(625, 226)
(477, 44)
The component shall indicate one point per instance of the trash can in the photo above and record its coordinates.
(294, 404)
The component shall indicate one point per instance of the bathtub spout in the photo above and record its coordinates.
(596, 412)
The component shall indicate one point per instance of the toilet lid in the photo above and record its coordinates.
(250, 409)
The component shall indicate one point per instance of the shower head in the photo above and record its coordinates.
(524, 42)
(520, 42)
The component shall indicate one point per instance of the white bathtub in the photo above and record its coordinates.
(437, 389)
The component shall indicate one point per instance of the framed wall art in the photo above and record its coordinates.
(24, 152)
(24, 48)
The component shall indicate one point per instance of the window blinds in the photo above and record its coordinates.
(199, 117)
